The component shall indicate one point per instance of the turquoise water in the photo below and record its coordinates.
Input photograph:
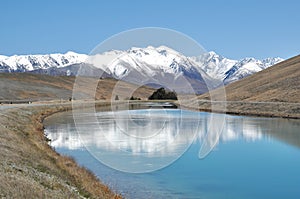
(253, 158)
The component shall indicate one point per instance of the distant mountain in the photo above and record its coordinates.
(232, 70)
(156, 64)
(72, 70)
(25, 63)
(278, 83)
(161, 66)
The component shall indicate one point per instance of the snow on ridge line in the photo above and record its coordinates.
(40, 61)
(149, 60)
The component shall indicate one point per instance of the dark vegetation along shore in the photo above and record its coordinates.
(29, 168)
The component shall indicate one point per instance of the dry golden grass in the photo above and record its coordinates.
(29, 168)
(34, 87)
(279, 83)
(271, 92)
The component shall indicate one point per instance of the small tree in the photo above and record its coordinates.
(134, 98)
(162, 94)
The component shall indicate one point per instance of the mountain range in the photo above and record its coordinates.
(157, 65)
(273, 92)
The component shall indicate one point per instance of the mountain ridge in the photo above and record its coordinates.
(273, 92)
(279, 83)
(147, 62)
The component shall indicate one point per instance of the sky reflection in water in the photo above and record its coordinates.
(255, 157)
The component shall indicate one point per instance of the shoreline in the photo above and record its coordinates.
(30, 168)
(35, 169)
(251, 109)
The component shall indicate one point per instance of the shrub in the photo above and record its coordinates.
(162, 94)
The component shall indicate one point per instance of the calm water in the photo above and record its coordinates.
(254, 157)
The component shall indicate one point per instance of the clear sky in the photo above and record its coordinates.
(234, 29)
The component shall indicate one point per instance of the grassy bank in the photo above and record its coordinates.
(29, 168)
(264, 109)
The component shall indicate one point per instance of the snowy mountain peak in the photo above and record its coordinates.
(2, 57)
(247, 67)
(71, 53)
(212, 54)
(271, 61)
(151, 61)
(148, 60)
(163, 50)
(167, 49)
(23, 63)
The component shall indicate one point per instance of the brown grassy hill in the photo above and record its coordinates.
(34, 87)
(271, 92)
(279, 83)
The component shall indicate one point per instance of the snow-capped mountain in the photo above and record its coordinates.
(247, 67)
(153, 65)
(25, 63)
(228, 70)
(161, 66)
(150, 61)
(214, 65)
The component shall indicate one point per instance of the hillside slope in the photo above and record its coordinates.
(279, 83)
(34, 87)
(271, 92)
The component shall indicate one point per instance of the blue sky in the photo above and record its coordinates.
(234, 29)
